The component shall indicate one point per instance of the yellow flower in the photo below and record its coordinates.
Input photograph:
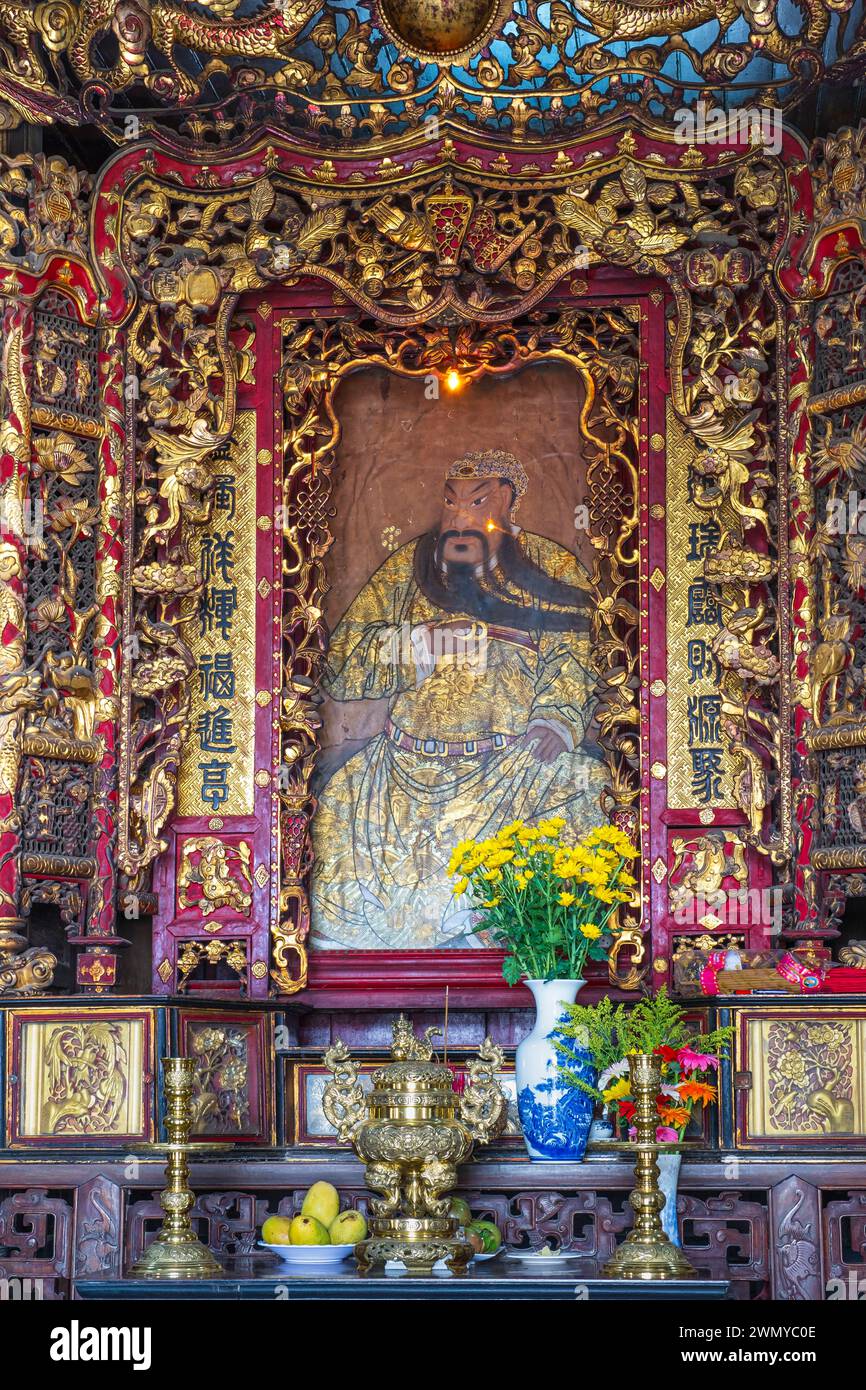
(563, 864)
(604, 895)
(620, 1088)
(612, 839)
(566, 899)
(551, 826)
(520, 880)
(460, 887)
(456, 857)
(590, 931)
(492, 902)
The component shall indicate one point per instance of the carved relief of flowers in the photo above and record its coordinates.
(49, 612)
(165, 579)
(792, 1067)
(153, 677)
(61, 455)
(77, 516)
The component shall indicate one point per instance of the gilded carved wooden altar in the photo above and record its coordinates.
(299, 201)
(176, 332)
(278, 266)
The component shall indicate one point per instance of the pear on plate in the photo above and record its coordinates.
(322, 1202)
(276, 1230)
(306, 1230)
(348, 1229)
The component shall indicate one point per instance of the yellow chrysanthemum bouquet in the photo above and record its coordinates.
(546, 902)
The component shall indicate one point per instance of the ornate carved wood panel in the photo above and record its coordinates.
(795, 1232)
(844, 1244)
(36, 1243)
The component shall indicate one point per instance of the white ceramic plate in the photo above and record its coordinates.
(533, 1257)
(309, 1256)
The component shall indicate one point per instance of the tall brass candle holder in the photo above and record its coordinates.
(646, 1252)
(176, 1251)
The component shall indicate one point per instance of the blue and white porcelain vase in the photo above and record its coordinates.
(555, 1117)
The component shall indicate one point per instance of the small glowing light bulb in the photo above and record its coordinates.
(452, 379)
(491, 526)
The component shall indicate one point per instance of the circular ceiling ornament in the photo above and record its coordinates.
(441, 30)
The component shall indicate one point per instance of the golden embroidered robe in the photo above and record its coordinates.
(450, 763)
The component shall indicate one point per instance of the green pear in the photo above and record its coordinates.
(489, 1233)
(306, 1230)
(475, 1239)
(276, 1230)
(322, 1202)
(461, 1209)
(348, 1229)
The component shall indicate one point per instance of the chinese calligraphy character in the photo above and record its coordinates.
(217, 609)
(217, 556)
(215, 732)
(214, 782)
(704, 607)
(705, 713)
(704, 537)
(224, 494)
(706, 773)
(216, 676)
(701, 662)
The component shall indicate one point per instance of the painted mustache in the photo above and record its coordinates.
(497, 602)
(461, 536)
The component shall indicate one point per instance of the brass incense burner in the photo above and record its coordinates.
(412, 1131)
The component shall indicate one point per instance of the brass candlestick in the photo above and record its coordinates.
(176, 1251)
(646, 1252)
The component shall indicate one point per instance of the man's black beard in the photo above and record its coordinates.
(494, 599)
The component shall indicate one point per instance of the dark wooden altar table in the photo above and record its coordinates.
(264, 1279)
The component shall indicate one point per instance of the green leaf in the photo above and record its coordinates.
(511, 970)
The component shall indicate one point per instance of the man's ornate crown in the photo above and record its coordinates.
(492, 463)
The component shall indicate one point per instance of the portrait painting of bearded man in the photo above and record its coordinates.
(476, 634)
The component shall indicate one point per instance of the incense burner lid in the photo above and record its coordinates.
(413, 1076)
(417, 1085)
(413, 1093)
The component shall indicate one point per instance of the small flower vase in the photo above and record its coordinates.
(669, 1174)
(555, 1117)
(602, 1130)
